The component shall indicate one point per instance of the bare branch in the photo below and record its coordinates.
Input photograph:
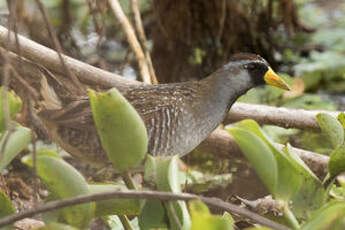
(49, 59)
(284, 117)
(166, 196)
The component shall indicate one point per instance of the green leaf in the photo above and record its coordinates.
(203, 219)
(332, 128)
(259, 154)
(6, 208)
(64, 181)
(152, 215)
(121, 129)
(14, 106)
(114, 206)
(296, 182)
(336, 163)
(331, 216)
(167, 179)
(17, 141)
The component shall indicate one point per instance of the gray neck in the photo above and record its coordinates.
(225, 91)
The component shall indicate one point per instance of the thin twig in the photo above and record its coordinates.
(132, 40)
(142, 37)
(166, 196)
(5, 84)
(34, 152)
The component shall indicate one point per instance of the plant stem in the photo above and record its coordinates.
(129, 181)
(290, 217)
(125, 222)
(126, 176)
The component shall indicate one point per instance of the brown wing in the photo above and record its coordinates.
(77, 114)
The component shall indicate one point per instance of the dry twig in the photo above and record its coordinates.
(141, 32)
(132, 40)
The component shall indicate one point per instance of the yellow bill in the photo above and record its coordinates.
(273, 79)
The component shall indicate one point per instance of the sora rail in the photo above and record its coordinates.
(177, 116)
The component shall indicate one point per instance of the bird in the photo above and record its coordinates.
(177, 116)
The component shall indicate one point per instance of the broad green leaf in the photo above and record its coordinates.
(6, 208)
(298, 162)
(14, 106)
(331, 216)
(121, 129)
(167, 179)
(64, 181)
(259, 154)
(203, 219)
(152, 215)
(331, 128)
(167, 174)
(336, 163)
(17, 141)
(311, 194)
(114, 206)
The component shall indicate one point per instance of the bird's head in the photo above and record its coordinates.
(257, 68)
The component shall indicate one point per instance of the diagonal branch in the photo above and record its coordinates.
(50, 60)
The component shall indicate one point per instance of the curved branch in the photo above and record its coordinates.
(53, 205)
